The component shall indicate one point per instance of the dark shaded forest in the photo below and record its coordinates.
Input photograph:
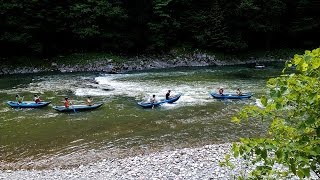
(48, 28)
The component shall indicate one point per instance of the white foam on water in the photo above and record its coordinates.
(131, 85)
(259, 103)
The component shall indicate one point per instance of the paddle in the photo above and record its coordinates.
(74, 110)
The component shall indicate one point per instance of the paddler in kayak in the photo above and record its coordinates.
(66, 102)
(153, 100)
(220, 91)
(19, 99)
(89, 101)
(36, 98)
(168, 95)
(239, 93)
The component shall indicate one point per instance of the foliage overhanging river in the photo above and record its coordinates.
(44, 138)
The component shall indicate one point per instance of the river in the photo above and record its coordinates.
(44, 138)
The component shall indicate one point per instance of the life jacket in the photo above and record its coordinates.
(167, 96)
(66, 104)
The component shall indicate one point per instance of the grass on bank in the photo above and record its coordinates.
(90, 57)
(284, 53)
(71, 59)
(258, 54)
(87, 58)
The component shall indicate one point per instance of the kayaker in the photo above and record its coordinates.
(153, 99)
(168, 95)
(221, 90)
(89, 101)
(36, 98)
(19, 99)
(66, 102)
(239, 93)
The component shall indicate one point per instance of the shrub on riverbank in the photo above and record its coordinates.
(293, 108)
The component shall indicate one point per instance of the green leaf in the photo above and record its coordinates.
(264, 100)
(279, 154)
(264, 153)
(235, 150)
(306, 172)
(316, 63)
(311, 120)
(304, 66)
(235, 120)
(300, 173)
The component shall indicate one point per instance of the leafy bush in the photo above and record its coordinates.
(292, 106)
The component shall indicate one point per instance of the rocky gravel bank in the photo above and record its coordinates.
(187, 163)
(109, 65)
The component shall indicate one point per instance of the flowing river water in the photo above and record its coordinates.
(44, 138)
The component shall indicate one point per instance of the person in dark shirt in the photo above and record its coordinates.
(239, 93)
(221, 90)
(168, 95)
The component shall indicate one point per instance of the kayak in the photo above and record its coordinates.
(27, 104)
(150, 105)
(231, 96)
(75, 108)
(174, 98)
(259, 66)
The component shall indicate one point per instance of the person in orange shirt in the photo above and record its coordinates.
(66, 102)
(36, 98)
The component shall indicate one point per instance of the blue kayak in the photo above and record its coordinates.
(174, 98)
(27, 104)
(150, 105)
(75, 108)
(231, 96)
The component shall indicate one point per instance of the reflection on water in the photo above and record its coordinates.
(41, 138)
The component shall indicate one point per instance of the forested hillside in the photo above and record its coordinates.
(47, 28)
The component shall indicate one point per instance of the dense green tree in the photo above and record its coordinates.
(263, 19)
(43, 27)
(99, 23)
(162, 24)
(206, 26)
(31, 25)
(304, 22)
(292, 107)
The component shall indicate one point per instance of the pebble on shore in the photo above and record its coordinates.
(187, 163)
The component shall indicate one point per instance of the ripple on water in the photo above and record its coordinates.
(49, 115)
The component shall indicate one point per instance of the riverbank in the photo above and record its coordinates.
(187, 163)
(116, 64)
